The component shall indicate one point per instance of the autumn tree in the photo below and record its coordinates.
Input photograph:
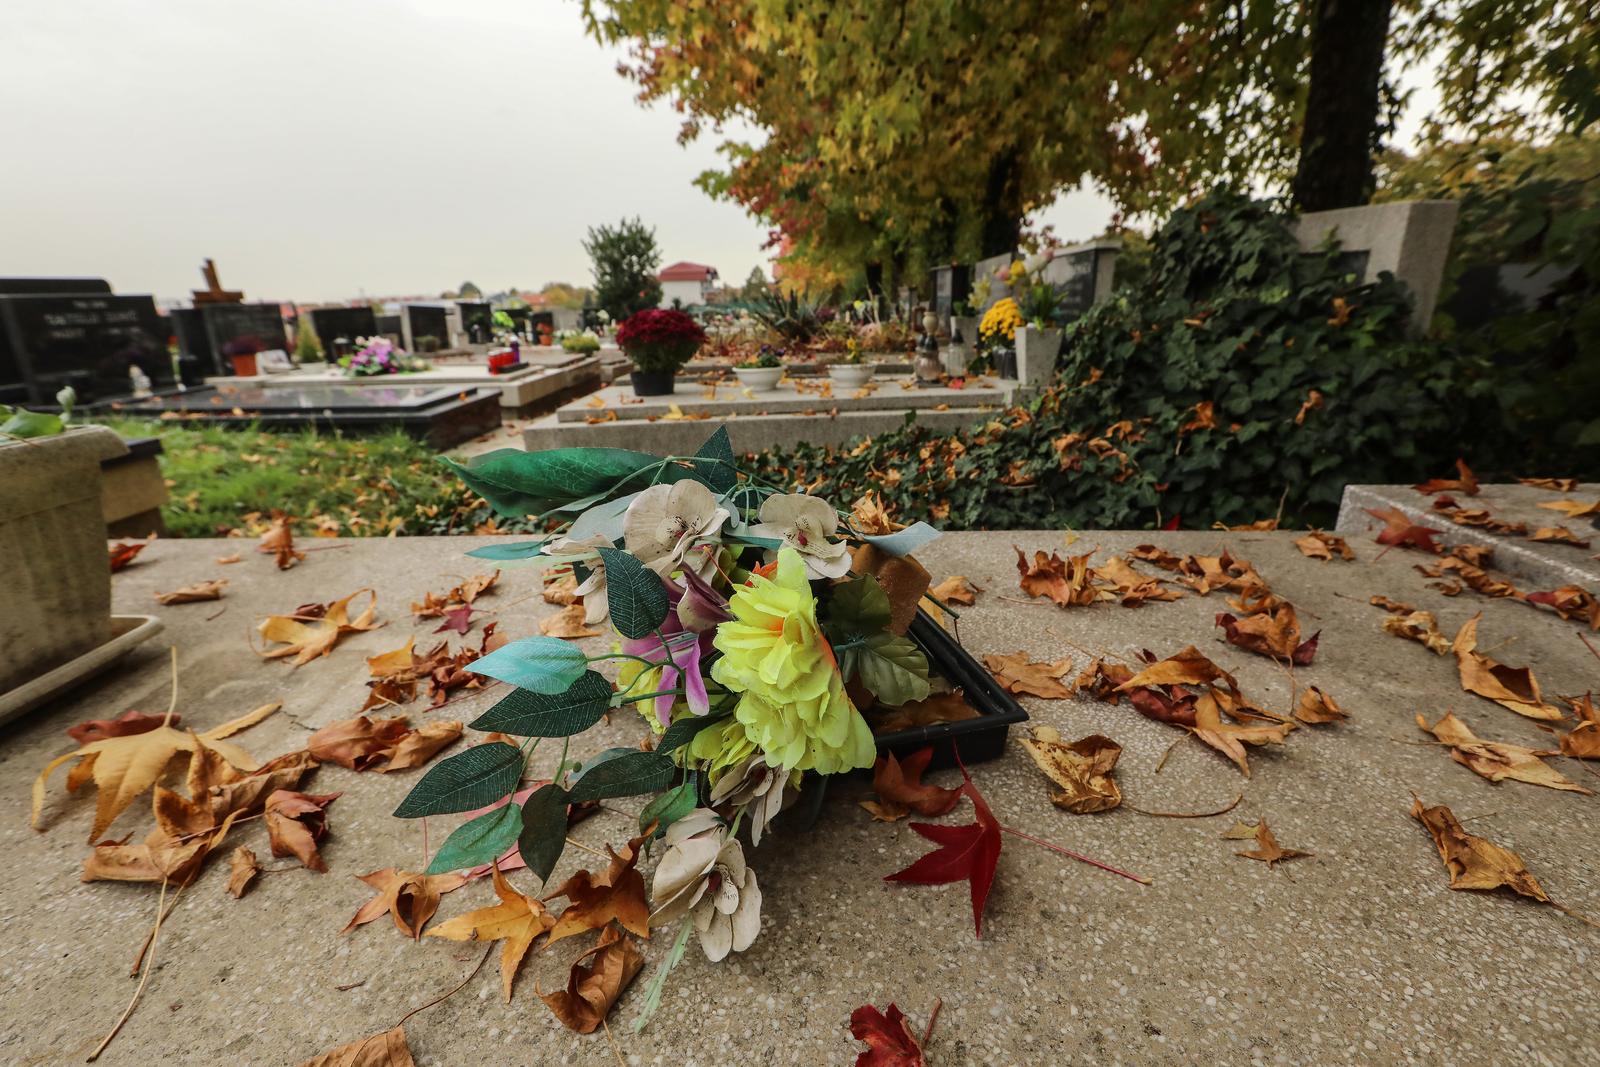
(624, 260)
(899, 134)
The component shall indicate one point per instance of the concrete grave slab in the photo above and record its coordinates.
(1535, 565)
(1360, 953)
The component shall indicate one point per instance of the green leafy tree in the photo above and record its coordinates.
(469, 291)
(897, 135)
(755, 286)
(307, 346)
(624, 260)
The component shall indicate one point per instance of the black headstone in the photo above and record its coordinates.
(88, 341)
(949, 285)
(255, 326)
(332, 324)
(389, 324)
(1073, 275)
(477, 321)
(428, 320)
(51, 286)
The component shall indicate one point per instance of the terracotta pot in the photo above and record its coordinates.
(244, 366)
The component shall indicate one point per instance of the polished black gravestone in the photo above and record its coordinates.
(258, 327)
(950, 284)
(477, 321)
(89, 341)
(428, 320)
(332, 324)
(13, 390)
(442, 417)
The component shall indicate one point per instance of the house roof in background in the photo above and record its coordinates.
(687, 272)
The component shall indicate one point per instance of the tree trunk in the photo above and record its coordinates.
(1340, 134)
(1002, 222)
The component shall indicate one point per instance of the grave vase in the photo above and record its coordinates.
(1037, 350)
(651, 383)
(244, 366)
(58, 596)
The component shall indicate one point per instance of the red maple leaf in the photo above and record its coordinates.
(123, 552)
(1400, 530)
(456, 620)
(901, 784)
(1172, 523)
(965, 854)
(1464, 482)
(890, 1042)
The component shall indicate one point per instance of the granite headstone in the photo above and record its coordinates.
(89, 341)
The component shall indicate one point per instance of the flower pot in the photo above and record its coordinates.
(1037, 351)
(651, 382)
(58, 594)
(244, 366)
(852, 375)
(759, 379)
(1005, 363)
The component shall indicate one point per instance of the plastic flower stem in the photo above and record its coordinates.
(666, 646)
(561, 768)
(626, 655)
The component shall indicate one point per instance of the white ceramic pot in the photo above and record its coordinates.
(52, 528)
(1037, 351)
(852, 375)
(759, 379)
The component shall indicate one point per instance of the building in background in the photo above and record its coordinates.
(687, 284)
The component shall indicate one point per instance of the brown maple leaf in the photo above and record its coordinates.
(306, 636)
(594, 987)
(130, 722)
(1510, 687)
(1560, 485)
(278, 542)
(388, 1049)
(1317, 707)
(951, 706)
(1267, 849)
(1275, 634)
(568, 623)
(243, 867)
(1400, 531)
(1419, 626)
(1018, 673)
(1082, 769)
(1558, 535)
(1571, 602)
(1465, 482)
(517, 920)
(296, 825)
(618, 894)
(383, 745)
(1131, 586)
(192, 594)
(409, 898)
(560, 589)
(123, 553)
(955, 589)
(1102, 680)
(1583, 740)
(1324, 546)
(1065, 581)
(1187, 667)
(1573, 509)
(1496, 760)
(901, 790)
(1473, 862)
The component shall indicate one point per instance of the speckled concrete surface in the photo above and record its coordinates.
(1360, 954)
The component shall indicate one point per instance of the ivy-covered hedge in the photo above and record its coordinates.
(1236, 378)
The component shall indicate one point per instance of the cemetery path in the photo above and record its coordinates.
(1360, 953)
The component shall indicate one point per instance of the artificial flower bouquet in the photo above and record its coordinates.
(378, 355)
(762, 636)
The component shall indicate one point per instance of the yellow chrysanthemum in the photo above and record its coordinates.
(721, 747)
(1001, 320)
(824, 734)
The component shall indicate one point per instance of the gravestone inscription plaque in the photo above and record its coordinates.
(87, 341)
(258, 325)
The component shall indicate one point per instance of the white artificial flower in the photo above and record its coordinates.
(805, 523)
(703, 875)
(596, 602)
(668, 526)
(757, 788)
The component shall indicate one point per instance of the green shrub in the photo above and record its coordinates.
(1237, 377)
(581, 343)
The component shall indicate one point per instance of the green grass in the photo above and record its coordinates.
(220, 480)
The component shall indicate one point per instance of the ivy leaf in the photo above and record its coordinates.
(478, 840)
(624, 772)
(634, 593)
(890, 665)
(546, 665)
(543, 834)
(472, 779)
(529, 714)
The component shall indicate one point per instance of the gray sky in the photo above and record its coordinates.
(321, 148)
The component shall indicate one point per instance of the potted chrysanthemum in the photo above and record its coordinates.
(997, 335)
(658, 341)
(760, 373)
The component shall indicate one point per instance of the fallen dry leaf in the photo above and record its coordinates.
(1558, 535)
(901, 790)
(296, 824)
(1188, 667)
(130, 722)
(1017, 673)
(411, 899)
(951, 706)
(1400, 531)
(1560, 485)
(1418, 626)
(1065, 581)
(1324, 546)
(517, 920)
(1571, 602)
(1230, 739)
(1583, 740)
(1132, 587)
(1573, 509)
(1102, 680)
(1510, 687)
(888, 1037)
(125, 766)
(278, 542)
(596, 900)
(1474, 863)
(190, 594)
(363, 744)
(470, 590)
(306, 638)
(1316, 707)
(457, 619)
(1391, 605)
(593, 989)
(562, 591)
(1082, 769)
(1275, 634)
(868, 516)
(233, 558)
(1267, 849)
(955, 589)
(388, 1049)
(568, 623)
(1496, 760)
(123, 553)
(242, 870)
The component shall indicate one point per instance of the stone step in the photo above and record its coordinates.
(673, 436)
(730, 400)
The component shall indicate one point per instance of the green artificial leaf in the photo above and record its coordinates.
(529, 714)
(685, 730)
(605, 518)
(624, 772)
(472, 779)
(671, 806)
(718, 473)
(519, 483)
(544, 829)
(858, 607)
(24, 423)
(635, 594)
(542, 664)
(903, 542)
(891, 666)
(507, 553)
(479, 840)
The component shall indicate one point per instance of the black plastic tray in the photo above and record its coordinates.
(979, 739)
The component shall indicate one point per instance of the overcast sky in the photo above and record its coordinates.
(321, 149)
